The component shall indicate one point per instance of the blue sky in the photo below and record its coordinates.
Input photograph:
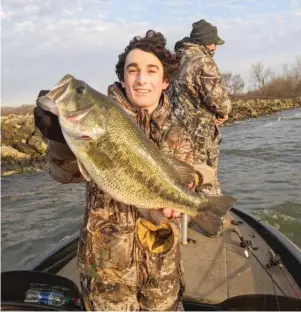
(44, 39)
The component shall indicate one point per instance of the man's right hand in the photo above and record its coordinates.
(48, 123)
(220, 121)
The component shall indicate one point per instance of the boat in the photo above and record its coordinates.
(252, 266)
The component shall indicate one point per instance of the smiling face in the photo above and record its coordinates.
(143, 79)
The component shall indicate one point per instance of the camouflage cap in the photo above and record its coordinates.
(205, 33)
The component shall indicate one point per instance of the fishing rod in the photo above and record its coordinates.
(276, 260)
(246, 244)
(275, 292)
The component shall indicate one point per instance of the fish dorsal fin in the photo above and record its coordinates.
(183, 172)
(83, 171)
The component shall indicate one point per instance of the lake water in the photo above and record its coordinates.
(260, 164)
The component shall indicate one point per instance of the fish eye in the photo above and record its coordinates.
(80, 89)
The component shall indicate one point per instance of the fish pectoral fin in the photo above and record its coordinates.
(103, 161)
(83, 171)
(184, 173)
(209, 217)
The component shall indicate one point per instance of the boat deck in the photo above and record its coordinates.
(217, 268)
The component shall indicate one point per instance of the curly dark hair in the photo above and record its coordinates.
(152, 42)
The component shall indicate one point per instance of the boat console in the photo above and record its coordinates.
(35, 291)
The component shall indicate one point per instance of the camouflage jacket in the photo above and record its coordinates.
(198, 97)
(106, 243)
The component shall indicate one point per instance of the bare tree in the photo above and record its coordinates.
(292, 77)
(288, 80)
(285, 84)
(226, 79)
(238, 84)
(297, 65)
(260, 76)
(297, 75)
(233, 83)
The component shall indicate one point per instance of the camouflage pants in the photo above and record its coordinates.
(118, 273)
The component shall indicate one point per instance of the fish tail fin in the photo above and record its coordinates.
(210, 219)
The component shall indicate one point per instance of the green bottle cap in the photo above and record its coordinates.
(67, 300)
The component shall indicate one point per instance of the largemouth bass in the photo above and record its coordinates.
(115, 153)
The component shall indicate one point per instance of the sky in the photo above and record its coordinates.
(42, 40)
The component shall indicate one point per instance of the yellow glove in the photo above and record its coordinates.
(155, 238)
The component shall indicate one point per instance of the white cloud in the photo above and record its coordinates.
(295, 3)
(24, 27)
(18, 2)
(72, 12)
(31, 9)
(174, 3)
(137, 9)
(137, 16)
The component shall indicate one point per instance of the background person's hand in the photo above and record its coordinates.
(220, 121)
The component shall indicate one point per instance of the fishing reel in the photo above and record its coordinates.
(274, 260)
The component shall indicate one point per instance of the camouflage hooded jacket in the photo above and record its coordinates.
(102, 256)
(198, 97)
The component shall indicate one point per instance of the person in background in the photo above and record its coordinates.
(199, 99)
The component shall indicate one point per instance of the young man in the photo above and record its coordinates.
(126, 260)
(199, 100)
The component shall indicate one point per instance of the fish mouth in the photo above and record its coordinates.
(48, 101)
(60, 88)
